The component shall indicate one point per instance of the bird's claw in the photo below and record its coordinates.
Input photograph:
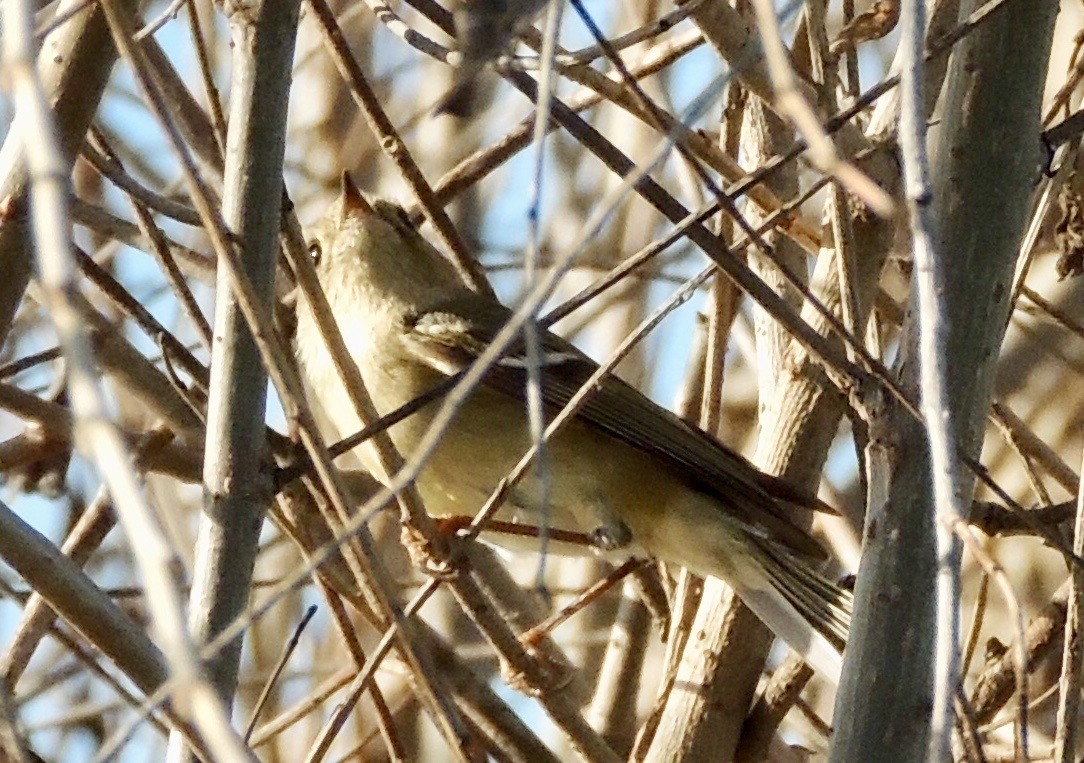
(422, 556)
(612, 536)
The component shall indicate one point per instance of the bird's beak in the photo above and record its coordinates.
(352, 198)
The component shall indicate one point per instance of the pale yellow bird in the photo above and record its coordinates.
(624, 471)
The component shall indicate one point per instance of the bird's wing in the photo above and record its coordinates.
(446, 339)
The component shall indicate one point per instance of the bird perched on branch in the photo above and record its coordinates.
(625, 473)
(483, 30)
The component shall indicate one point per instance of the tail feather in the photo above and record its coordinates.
(827, 606)
(810, 613)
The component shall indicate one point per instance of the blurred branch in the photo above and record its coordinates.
(792, 103)
(779, 695)
(82, 604)
(40, 442)
(996, 684)
(994, 519)
(934, 317)
(893, 631)
(621, 671)
(95, 432)
(1065, 741)
(109, 166)
(107, 224)
(1033, 445)
(237, 485)
(73, 68)
(97, 520)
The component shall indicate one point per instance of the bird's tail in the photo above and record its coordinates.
(809, 612)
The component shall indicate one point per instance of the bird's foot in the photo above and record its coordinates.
(434, 562)
(612, 536)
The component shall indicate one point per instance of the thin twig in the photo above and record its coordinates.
(287, 651)
(940, 419)
(1073, 650)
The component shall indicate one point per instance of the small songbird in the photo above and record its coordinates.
(483, 30)
(624, 472)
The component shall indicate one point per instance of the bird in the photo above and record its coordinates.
(483, 30)
(624, 472)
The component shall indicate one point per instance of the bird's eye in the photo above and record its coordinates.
(315, 251)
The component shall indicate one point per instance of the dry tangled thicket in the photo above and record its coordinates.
(694, 149)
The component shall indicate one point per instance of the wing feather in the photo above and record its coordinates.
(448, 341)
